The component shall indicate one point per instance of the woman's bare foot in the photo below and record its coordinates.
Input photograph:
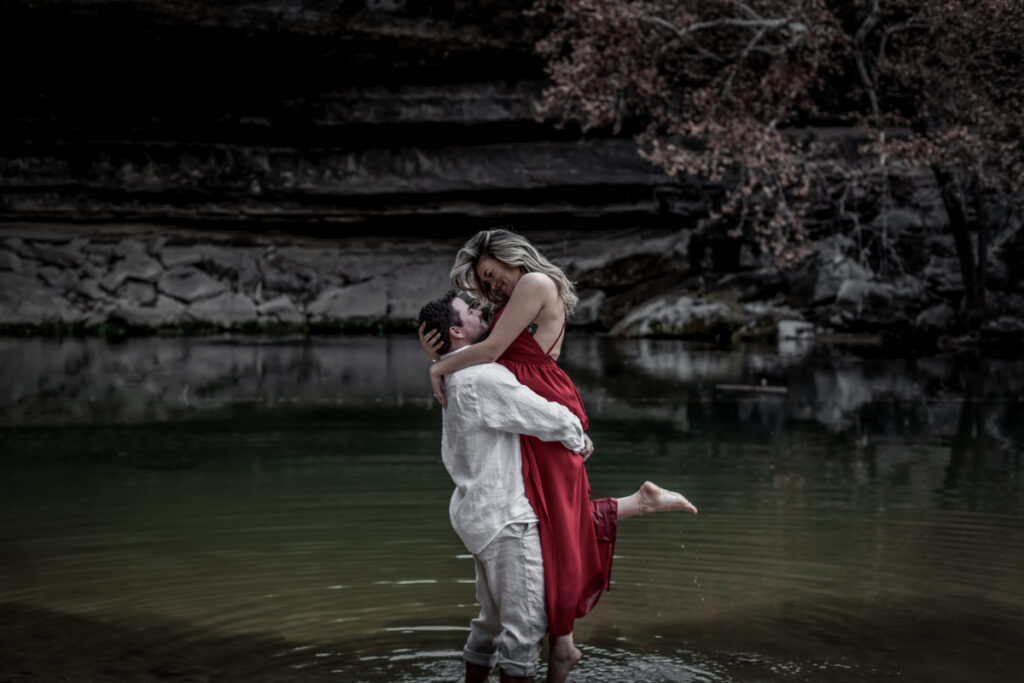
(564, 656)
(653, 498)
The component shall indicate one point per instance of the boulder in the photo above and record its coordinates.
(10, 261)
(833, 266)
(228, 261)
(250, 278)
(90, 289)
(616, 307)
(281, 310)
(228, 308)
(761, 285)
(26, 301)
(100, 255)
(280, 279)
(858, 293)
(1004, 334)
(22, 248)
(61, 256)
(135, 266)
(588, 310)
(140, 267)
(621, 273)
(174, 257)
(190, 285)
(366, 300)
(56, 278)
(679, 316)
(942, 275)
(880, 305)
(129, 246)
(411, 286)
(769, 320)
(351, 263)
(163, 311)
(898, 220)
(936, 318)
(139, 293)
(621, 257)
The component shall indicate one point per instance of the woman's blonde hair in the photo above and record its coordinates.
(513, 250)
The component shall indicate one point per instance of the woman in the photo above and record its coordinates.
(577, 534)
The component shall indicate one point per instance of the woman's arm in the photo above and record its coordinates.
(530, 295)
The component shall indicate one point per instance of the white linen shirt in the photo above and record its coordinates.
(487, 411)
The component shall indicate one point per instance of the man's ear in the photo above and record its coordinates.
(455, 332)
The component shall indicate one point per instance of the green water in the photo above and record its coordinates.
(194, 510)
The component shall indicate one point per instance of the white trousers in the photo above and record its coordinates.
(510, 590)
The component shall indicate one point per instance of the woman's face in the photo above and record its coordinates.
(498, 276)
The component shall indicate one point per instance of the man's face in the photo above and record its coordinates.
(473, 325)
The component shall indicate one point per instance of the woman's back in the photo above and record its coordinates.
(548, 326)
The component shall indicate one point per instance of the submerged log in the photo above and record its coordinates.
(754, 388)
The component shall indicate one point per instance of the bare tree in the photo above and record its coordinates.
(722, 89)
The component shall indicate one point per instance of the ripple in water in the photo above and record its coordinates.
(315, 545)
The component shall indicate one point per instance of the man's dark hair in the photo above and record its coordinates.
(440, 315)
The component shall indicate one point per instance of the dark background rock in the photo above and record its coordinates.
(315, 165)
(312, 117)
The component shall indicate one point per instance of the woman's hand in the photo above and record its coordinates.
(430, 341)
(437, 384)
(588, 448)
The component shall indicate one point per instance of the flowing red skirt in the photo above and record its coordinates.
(577, 535)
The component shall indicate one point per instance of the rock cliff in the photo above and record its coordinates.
(290, 165)
(334, 118)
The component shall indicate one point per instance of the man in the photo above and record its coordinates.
(487, 411)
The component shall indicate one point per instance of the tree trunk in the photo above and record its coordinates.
(982, 225)
(952, 197)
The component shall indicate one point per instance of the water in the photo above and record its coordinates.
(277, 511)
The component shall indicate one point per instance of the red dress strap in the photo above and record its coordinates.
(548, 352)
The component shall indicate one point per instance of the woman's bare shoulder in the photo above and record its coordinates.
(538, 282)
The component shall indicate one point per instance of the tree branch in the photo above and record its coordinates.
(908, 25)
(862, 69)
(746, 9)
(739, 60)
(799, 29)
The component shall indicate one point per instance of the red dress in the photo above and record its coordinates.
(577, 535)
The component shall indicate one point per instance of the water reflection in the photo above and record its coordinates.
(184, 509)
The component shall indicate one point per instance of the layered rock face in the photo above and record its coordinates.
(143, 279)
(333, 118)
(295, 165)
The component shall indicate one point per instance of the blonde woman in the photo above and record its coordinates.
(577, 534)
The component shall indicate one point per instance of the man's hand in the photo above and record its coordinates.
(430, 341)
(588, 448)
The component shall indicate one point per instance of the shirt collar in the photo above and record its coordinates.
(452, 353)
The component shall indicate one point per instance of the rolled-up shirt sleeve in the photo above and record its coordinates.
(509, 406)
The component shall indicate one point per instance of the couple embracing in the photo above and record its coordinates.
(514, 444)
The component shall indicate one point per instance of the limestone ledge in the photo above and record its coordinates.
(60, 281)
(142, 280)
(120, 280)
